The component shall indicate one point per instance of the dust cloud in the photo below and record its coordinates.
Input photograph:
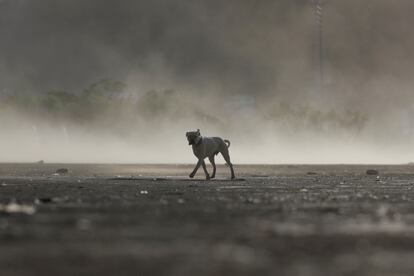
(122, 81)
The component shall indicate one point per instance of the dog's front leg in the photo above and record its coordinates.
(205, 170)
(196, 168)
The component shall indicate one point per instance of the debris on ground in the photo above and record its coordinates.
(46, 200)
(372, 172)
(43, 200)
(254, 200)
(40, 162)
(15, 208)
(83, 224)
(163, 201)
(62, 171)
(312, 173)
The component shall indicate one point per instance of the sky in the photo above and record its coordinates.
(217, 53)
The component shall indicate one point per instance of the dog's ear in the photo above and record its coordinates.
(186, 134)
(198, 131)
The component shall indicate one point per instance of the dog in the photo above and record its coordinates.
(208, 147)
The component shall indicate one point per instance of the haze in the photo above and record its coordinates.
(122, 81)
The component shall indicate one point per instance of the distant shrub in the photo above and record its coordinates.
(304, 117)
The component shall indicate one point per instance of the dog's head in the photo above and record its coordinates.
(193, 137)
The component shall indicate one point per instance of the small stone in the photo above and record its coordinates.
(14, 207)
(83, 224)
(383, 211)
(372, 172)
(62, 171)
(43, 200)
(46, 200)
(256, 201)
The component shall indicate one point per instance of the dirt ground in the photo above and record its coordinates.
(153, 220)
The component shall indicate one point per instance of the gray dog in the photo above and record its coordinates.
(208, 147)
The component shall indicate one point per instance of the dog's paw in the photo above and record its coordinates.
(213, 176)
(208, 177)
(191, 175)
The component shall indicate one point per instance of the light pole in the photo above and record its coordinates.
(318, 44)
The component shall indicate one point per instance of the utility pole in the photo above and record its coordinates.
(318, 44)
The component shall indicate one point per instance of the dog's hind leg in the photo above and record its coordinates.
(205, 169)
(226, 157)
(196, 168)
(211, 158)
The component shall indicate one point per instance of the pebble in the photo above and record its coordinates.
(14, 207)
(372, 172)
(83, 224)
(62, 171)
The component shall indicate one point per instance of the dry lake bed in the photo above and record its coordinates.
(153, 220)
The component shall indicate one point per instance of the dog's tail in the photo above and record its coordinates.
(227, 142)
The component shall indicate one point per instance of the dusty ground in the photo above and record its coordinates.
(153, 220)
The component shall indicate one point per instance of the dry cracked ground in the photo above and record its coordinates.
(153, 220)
